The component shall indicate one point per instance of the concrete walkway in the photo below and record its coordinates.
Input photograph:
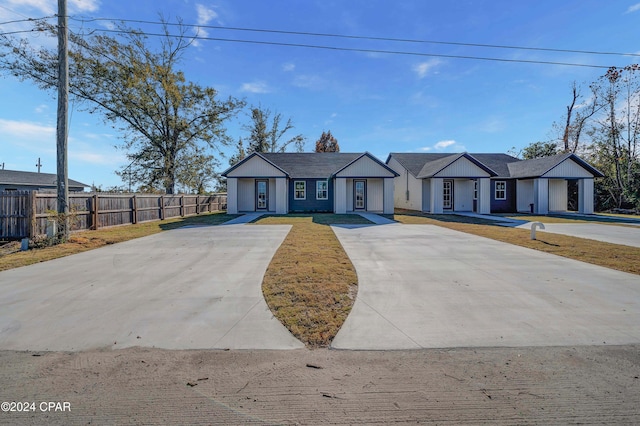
(423, 286)
(501, 219)
(377, 219)
(244, 219)
(624, 235)
(181, 289)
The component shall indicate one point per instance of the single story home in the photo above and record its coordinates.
(490, 183)
(12, 180)
(310, 182)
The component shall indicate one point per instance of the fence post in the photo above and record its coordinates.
(32, 214)
(134, 210)
(182, 206)
(94, 211)
(162, 207)
(197, 204)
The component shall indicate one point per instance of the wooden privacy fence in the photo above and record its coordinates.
(24, 214)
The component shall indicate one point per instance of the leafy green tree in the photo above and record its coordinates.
(239, 155)
(327, 143)
(138, 90)
(539, 149)
(266, 132)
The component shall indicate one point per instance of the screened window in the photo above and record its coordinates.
(300, 190)
(501, 190)
(322, 190)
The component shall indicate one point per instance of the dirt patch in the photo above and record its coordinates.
(557, 385)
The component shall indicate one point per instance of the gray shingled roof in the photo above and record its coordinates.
(506, 166)
(416, 163)
(310, 164)
(539, 166)
(13, 177)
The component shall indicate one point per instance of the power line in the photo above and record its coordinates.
(357, 37)
(351, 49)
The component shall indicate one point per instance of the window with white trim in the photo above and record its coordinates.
(300, 190)
(322, 190)
(501, 190)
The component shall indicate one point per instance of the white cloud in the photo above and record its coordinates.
(444, 146)
(49, 7)
(633, 8)
(43, 6)
(96, 158)
(256, 87)
(423, 68)
(22, 130)
(84, 5)
(288, 67)
(205, 14)
(42, 108)
(313, 82)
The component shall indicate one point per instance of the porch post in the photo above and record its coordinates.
(541, 196)
(484, 196)
(436, 195)
(232, 195)
(388, 200)
(281, 196)
(585, 196)
(340, 200)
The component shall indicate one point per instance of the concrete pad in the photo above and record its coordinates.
(624, 235)
(423, 286)
(181, 289)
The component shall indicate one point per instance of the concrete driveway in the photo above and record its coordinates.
(183, 289)
(625, 235)
(423, 286)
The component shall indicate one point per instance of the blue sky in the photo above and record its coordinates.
(372, 102)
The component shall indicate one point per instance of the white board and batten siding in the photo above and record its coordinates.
(524, 194)
(462, 167)
(246, 195)
(558, 198)
(568, 169)
(256, 167)
(463, 195)
(375, 195)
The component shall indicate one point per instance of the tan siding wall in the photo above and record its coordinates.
(402, 183)
(462, 168)
(256, 167)
(568, 169)
(364, 167)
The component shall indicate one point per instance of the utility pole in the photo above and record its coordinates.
(38, 164)
(62, 127)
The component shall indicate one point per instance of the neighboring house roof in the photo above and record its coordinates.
(540, 166)
(423, 165)
(312, 165)
(18, 178)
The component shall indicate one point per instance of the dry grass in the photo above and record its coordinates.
(622, 258)
(310, 284)
(89, 240)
